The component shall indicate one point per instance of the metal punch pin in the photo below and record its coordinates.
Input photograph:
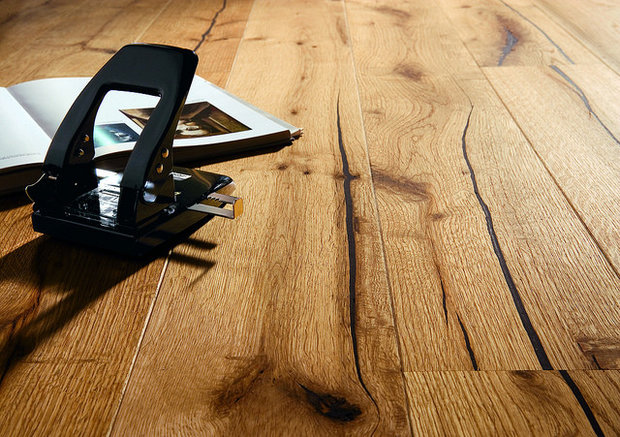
(235, 211)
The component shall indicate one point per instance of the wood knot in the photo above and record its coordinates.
(333, 407)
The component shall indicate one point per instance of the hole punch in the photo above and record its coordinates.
(151, 203)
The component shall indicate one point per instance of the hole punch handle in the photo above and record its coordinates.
(149, 69)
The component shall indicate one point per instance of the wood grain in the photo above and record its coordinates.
(212, 28)
(71, 319)
(582, 152)
(594, 23)
(296, 333)
(472, 221)
(497, 33)
(494, 403)
(437, 255)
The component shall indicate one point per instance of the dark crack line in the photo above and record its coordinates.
(543, 359)
(511, 42)
(585, 101)
(470, 351)
(208, 31)
(539, 29)
(348, 198)
(582, 402)
(443, 299)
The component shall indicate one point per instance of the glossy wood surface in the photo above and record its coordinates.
(438, 254)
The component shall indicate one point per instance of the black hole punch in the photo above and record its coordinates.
(149, 203)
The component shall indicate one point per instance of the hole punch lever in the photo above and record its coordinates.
(151, 202)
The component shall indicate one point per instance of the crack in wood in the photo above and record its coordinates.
(582, 402)
(208, 31)
(540, 30)
(349, 220)
(511, 41)
(443, 299)
(585, 101)
(543, 359)
(472, 356)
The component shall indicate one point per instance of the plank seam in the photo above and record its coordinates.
(553, 18)
(584, 99)
(232, 66)
(379, 225)
(153, 20)
(139, 345)
(555, 181)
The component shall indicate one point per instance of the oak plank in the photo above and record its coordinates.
(430, 139)
(70, 319)
(213, 29)
(580, 150)
(262, 337)
(74, 39)
(440, 261)
(497, 33)
(594, 23)
(494, 403)
(601, 390)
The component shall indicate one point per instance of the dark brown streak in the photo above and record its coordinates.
(539, 29)
(208, 31)
(333, 407)
(582, 402)
(349, 219)
(511, 42)
(472, 356)
(443, 299)
(543, 359)
(585, 101)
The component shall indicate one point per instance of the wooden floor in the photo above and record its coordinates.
(437, 255)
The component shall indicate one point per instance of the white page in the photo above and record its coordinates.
(48, 100)
(22, 141)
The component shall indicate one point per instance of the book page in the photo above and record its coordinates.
(48, 100)
(210, 116)
(22, 141)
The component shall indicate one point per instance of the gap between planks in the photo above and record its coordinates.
(169, 254)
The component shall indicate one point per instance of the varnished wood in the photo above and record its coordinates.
(295, 342)
(437, 255)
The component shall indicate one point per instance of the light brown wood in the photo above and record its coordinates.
(72, 320)
(594, 23)
(437, 255)
(497, 32)
(581, 151)
(268, 335)
(495, 403)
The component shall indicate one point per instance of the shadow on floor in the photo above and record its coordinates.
(46, 283)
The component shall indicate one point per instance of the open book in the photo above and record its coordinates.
(212, 123)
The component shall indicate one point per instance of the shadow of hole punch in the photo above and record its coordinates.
(13, 201)
(52, 271)
(73, 277)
